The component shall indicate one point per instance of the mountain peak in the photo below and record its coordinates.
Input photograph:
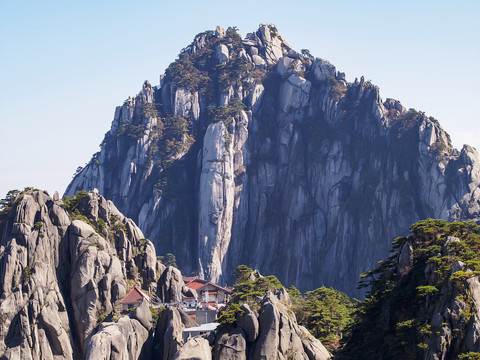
(252, 153)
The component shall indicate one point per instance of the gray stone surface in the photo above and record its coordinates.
(196, 348)
(230, 345)
(123, 339)
(322, 70)
(297, 179)
(248, 323)
(222, 54)
(60, 277)
(168, 333)
(171, 287)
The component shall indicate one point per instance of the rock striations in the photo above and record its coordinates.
(65, 266)
(423, 301)
(273, 333)
(252, 153)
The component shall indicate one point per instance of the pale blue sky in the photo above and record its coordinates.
(65, 65)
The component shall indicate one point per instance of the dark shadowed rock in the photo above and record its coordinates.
(249, 323)
(266, 344)
(196, 348)
(168, 332)
(292, 172)
(230, 344)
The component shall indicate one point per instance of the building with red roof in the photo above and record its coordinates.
(134, 298)
(207, 291)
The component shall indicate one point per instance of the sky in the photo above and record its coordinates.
(66, 65)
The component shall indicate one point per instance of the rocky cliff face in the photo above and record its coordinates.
(424, 301)
(250, 152)
(65, 265)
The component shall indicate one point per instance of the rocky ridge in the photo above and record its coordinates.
(423, 301)
(272, 333)
(248, 145)
(65, 266)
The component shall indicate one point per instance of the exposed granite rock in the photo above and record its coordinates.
(123, 339)
(171, 286)
(35, 323)
(230, 345)
(168, 333)
(280, 337)
(62, 276)
(219, 32)
(267, 343)
(222, 54)
(322, 70)
(259, 62)
(196, 348)
(292, 172)
(248, 323)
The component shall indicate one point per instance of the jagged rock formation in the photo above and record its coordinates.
(424, 301)
(250, 152)
(277, 336)
(168, 333)
(64, 266)
(124, 338)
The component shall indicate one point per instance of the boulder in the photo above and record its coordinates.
(294, 93)
(259, 61)
(222, 54)
(143, 315)
(322, 70)
(168, 334)
(266, 346)
(196, 348)
(219, 32)
(230, 344)
(248, 323)
(123, 339)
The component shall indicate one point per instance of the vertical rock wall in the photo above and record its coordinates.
(310, 181)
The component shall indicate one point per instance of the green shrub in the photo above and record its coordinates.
(426, 290)
(72, 204)
(98, 246)
(469, 356)
(337, 89)
(168, 260)
(27, 273)
(229, 316)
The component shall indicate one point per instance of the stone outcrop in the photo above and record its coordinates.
(196, 348)
(168, 333)
(248, 323)
(318, 170)
(123, 339)
(171, 287)
(279, 337)
(431, 308)
(230, 345)
(65, 266)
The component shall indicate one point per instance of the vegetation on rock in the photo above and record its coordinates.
(325, 312)
(396, 319)
(168, 260)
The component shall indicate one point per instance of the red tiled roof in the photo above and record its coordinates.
(134, 296)
(214, 285)
(198, 284)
